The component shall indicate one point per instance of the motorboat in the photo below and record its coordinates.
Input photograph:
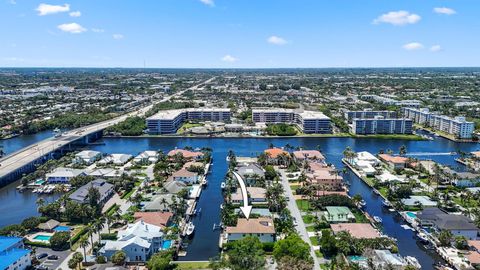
(376, 191)
(204, 182)
(362, 203)
(221, 206)
(423, 237)
(223, 185)
(386, 204)
(190, 228)
(377, 219)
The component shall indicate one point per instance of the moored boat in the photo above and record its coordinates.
(377, 219)
(190, 228)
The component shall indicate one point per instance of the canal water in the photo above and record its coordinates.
(204, 244)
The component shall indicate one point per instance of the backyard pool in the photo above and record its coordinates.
(357, 258)
(42, 237)
(62, 229)
(411, 215)
(167, 244)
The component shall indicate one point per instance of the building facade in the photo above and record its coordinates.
(457, 126)
(169, 121)
(306, 121)
(368, 114)
(13, 255)
(379, 125)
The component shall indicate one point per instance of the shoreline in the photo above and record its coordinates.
(380, 137)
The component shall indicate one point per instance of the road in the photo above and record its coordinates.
(31, 153)
(295, 212)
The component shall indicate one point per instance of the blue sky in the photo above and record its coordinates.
(239, 33)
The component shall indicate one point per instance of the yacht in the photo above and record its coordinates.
(190, 228)
(423, 237)
(377, 219)
(386, 204)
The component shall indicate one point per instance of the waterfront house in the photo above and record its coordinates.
(251, 173)
(185, 176)
(245, 161)
(338, 214)
(105, 173)
(63, 175)
(13, 255)
(423, 201)
(104, 189)
(160, 202)
(263, 228)
(366, 156)
(189, 155)
(394, 162)
(473, 256)
(308, 155)
(139, 241)
(274, 155)
(326, 178)
(356, 230)
(439, 220)
(115, 159)
(87, 157)
(388, 177)
(256, 195)
(461, 179)
(174, 187)
(48, 226)
(385, 259)
(146, 157)
(160, 219)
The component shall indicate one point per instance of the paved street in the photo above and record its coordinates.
(295, 212)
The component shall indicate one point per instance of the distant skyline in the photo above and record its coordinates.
(239, 33)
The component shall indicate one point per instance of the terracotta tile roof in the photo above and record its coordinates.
(184, 173)
(275, 152)
(308, 154)
(253, 225)
(474, 243)
(393, 159)
(185, 153)
(326, 193)
(160, 219)
(356, 230)
(473, 257)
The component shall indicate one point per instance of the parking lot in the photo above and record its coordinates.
(51, 264)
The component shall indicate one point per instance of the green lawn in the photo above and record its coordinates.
(359, 216)
(308, 219)
(294, 187)
(303, 205)
(311, 228)
(192, 265)
(319, 254)
(314, 240)
(186, 126)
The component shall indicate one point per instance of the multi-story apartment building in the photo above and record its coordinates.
(380, 125)
(369, 114)
(169, 121)
(307, 121)
(457, 126)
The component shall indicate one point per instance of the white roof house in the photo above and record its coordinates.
(87, 156)
(367, 156)
(63, 175)
(387, 177)
(140, 229)
(424, 200)
(146, 156)
(117, 159)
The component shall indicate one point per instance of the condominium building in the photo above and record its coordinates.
(390, 101)
(169, 121)
(307, 121)
(380, 125)
(369, 114)
(457, 126)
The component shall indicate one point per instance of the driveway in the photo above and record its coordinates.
(295, 212)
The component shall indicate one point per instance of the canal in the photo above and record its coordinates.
(204, 244)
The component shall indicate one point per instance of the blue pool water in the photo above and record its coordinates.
(42, 237)
(411, 214)
(167, 244)
(357, 258)
(62, 229)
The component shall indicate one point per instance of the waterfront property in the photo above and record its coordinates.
(185, 176)
(160, 219)
(146, 157)
(13, 255)
(356, 230)
(105, 191)
(256, 195)
(169, 121)
(139, 241)
(115, 159)
(439, 220)
(379, 125)
(188, 155)
(338, 214)
(307, 121)
(308, 155)
(263, 228)
(457, 126)
(368, 114)
(63, 175)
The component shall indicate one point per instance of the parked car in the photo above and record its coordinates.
(41, 256)
(52, 257)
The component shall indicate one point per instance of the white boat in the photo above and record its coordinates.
(386, 204)
(190, 228)
(221, 206)
(362, 203)
(204, 182)
(423, 237)
(413, 261)
(377, 219)
(376, 191)
(222, 185)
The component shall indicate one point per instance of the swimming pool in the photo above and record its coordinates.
(42, 237)
(62, 229)
(411, 215)
(357, 258)
(167, 244)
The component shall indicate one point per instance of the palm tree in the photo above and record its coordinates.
(83, 242)
(40, 202)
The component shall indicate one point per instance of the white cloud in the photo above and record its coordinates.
(230, 59)
(117, 36)
(435, 48)
(97, 30)
(276, 40)
(75, 14)
(444, 10)
(413, 46)
(208, 2)
(73, 28)
(46, 9)
(400, 17)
